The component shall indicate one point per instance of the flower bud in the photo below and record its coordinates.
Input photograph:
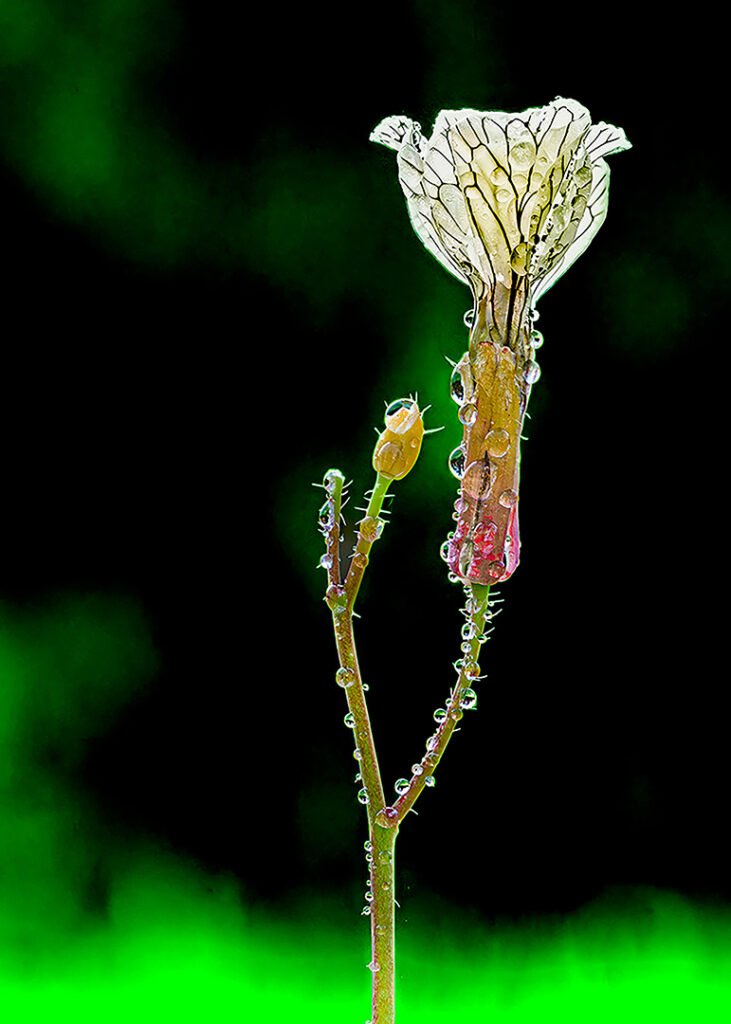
(398, 446)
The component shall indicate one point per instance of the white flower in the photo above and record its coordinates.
(506, 202)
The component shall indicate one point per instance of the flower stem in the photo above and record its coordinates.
(383, 920)
(478, 612)
(381, 831)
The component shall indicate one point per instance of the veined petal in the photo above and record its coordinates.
(592, 220)
(394, 131)
(502, 198)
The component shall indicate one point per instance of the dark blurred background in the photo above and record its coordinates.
(210, 286)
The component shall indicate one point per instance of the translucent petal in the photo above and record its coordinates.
(393, 132)
(592, 220)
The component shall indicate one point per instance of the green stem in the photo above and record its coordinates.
(479, 609)
(381, 830)
(383, 924)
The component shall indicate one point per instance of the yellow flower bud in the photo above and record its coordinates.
(398, 446)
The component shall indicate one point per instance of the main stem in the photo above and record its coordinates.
(383, 924)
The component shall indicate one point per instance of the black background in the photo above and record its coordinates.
(161, 421)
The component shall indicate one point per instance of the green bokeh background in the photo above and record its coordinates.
(210, 288)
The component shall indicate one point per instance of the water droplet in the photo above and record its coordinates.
(386, 887)
(357, 754)
(374, 967)
(522, 153)
(469, 318)
(325, 517)
(497, 442)
(336, 598)
(477, 479)
(468, 631)
(454, 578)
(444, 551)
(496, 569)
(468, 699)
(456, 386)
(519, 258)
(397, 406)
(365, 911)
(368, 845)
(386, 817)
(345, 677)
(416, 769)
(456, 463)
(429, 780)
(532, 371)
(349, 720)
(583, 174)
(465, 647)
(432, 742)
(536, 339)
(369, 858)
(508, 498)
(471, 670)
(362, 796)
(325, 561)
(359, 560)
(369, 897)
(330, 478)
(467, 414)
(457, 665)
(358, 778)
(503, 195)
(371, 528)
(455, 714)
(401, 786)
(439, 715)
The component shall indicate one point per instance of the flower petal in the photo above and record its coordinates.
(592, 220)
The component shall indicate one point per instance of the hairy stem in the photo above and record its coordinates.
(478, 610)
